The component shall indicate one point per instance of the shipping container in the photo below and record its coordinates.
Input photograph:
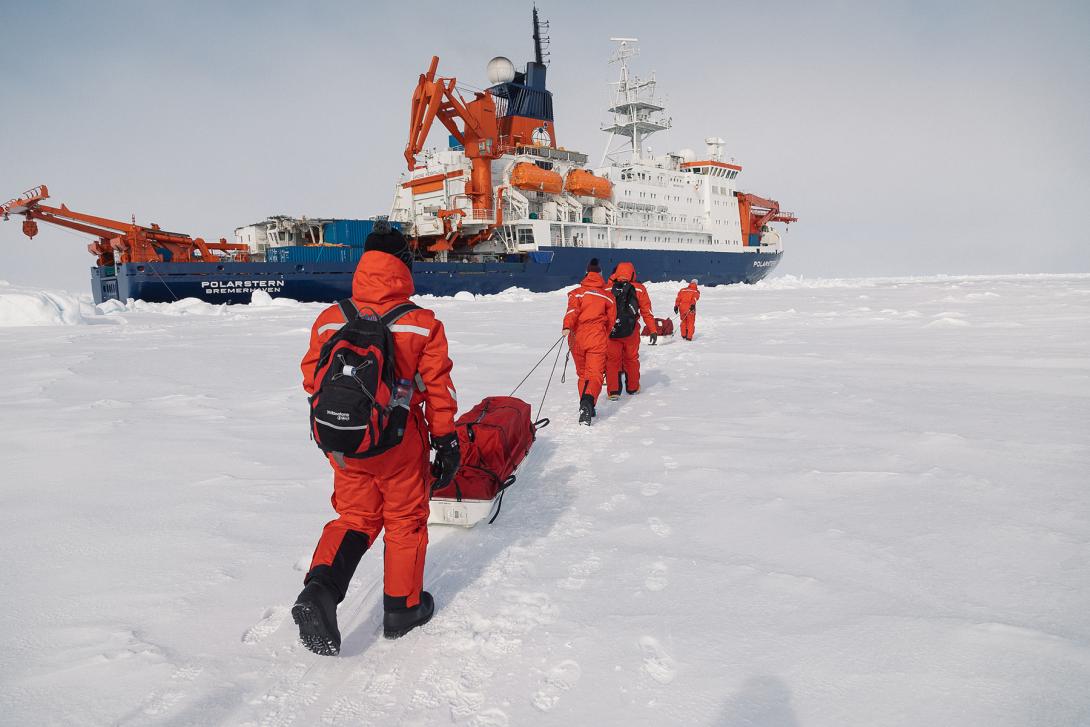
(313, 254)
(349, 232)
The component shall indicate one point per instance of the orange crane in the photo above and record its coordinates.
(756, 212)
(121, 242)
(435, 98)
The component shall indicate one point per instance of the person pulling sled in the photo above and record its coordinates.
(623, 355)
(587, 323)
(378, 375)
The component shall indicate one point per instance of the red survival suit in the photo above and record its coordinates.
(589, 318)
(685, 305)
(389, 490)
(624, 353)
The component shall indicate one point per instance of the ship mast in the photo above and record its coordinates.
(636, 113)
(541, 42)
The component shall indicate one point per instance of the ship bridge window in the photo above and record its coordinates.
(526, 236)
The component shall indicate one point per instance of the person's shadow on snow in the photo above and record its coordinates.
(529, 510)
(653, 383)
(763, 701)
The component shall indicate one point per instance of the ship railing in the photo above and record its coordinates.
(482, 214)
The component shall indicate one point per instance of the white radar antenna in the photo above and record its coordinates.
(636, 113)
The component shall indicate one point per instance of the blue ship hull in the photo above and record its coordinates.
(546, 270)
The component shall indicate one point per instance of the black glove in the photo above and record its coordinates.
(447, 458)
(654, 338)
(692, 308)
(676, 310)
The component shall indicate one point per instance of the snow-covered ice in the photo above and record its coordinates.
(847, 502)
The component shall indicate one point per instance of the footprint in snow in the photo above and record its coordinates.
(490, 718)
(656, 579)
(589, 566)
(650, 489)
(161, 702)
(187, 673)
(657, 664)
(658, 527)
(270, 622)
(578, 573)
(558, 680)
(611, 504)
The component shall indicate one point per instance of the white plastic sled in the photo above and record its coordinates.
(467, 513)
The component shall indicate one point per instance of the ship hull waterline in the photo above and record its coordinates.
(545, 270)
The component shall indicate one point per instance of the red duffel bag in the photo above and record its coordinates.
(666, 327)
(494, 437)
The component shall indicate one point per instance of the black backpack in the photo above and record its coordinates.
(628, 309)
(360, 407)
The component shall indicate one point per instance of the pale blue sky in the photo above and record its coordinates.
(909, 137)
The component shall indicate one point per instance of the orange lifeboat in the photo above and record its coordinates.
(530, 176)
(585, 184)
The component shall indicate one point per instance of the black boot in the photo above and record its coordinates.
(586, 409)
(397, 622)
(315, 612)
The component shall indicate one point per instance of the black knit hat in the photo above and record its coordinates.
(392, 242)
(592, 266)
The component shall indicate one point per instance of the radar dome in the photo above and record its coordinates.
(500, 70)
(687, 155)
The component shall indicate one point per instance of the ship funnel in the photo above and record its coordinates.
(500, 70)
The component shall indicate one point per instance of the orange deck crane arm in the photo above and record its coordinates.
(131, 242)
(756, 212)
(436, 98)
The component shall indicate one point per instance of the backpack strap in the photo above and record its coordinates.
(394, 314)
(348, 310)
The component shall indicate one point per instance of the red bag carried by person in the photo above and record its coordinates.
(494, 437)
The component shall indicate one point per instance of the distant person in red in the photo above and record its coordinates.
(389, 490)
(587, 323)
(623, 355)
(685, 306)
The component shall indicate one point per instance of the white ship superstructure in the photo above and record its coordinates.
(543, 196)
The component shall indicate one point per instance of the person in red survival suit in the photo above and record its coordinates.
(685, 305)
(587, 322)
(624, 353)
(390, 490)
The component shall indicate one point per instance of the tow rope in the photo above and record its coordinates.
(558, 343)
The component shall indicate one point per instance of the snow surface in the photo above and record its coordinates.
(856, 502)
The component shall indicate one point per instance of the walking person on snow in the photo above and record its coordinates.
(623, 355)
(685, 305)
(389, 490)
(587, 323)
